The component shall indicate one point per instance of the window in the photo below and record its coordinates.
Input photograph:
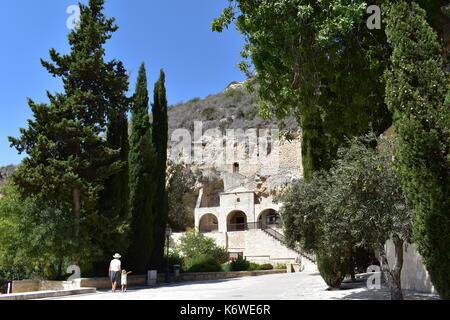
(236, 255)
(236, 167)
(272, 219)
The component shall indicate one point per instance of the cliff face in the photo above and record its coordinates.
(234, 108)
(256, 157)
(5, 173)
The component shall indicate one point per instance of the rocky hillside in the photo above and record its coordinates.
(232, 108)
(5, 173)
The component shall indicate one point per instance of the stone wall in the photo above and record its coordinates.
(414, 273)
(203, 276)
(105, 283)
(256, 246)
(25, 286)
(28, 286)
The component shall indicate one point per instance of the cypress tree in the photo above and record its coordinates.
(68, 159)
(416, 88)
(160, 138)
(142, 186)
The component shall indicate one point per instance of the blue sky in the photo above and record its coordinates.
(170, 34)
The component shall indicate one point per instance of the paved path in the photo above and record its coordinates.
(289, 286)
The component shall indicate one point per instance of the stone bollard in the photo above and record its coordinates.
(151, 277)
(289, 267)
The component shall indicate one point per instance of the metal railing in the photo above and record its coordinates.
(271, 232)
(280, 237)
(247, 226)
(237, 227)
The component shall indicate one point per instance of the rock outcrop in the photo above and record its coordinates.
(6, 172)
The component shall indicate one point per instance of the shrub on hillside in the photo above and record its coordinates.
(209, 112)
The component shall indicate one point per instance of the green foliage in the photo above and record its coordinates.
(303, 205)
(333, 267)
(364, 206)
(193, 100)
(265, 266)
(69, 162)
(141, 184)
(251, 267)
(251, 112)
(280, 266)
(180, 215)
(362, 259)
(236, 94)
(202, 263)
(301, 53)
(36, 240)
(240, 264)
(194, 243)
(175, 258)
(226, 267)
(416, 91)
(160, 141)
(208, 113)
(357, 205)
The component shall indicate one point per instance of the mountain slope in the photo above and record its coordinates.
(232, 108)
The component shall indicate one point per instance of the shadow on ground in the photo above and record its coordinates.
(169, 285)
(379, 294)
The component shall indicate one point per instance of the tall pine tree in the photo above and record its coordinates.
(160, 138)
(416, 88)
(68, 158)
(142, 185)
(114, 211)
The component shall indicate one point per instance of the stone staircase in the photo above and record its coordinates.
(281, 238)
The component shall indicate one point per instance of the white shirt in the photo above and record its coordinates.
(115, 265)
(123, 279)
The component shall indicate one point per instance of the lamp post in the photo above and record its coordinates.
(168, 234)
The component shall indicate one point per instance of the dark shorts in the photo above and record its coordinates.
(115, 276)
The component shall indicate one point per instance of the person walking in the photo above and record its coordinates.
(115, 269)
(123, 280)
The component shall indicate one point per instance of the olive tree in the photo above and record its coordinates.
(357, 204)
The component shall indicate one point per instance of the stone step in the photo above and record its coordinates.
(47, 294)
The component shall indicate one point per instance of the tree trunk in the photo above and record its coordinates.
(60, 275)
(396, 289)
(77, 214)
(76, 211)
(393, 277)
(352, 267)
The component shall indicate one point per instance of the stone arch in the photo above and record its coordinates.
(268, 217)
(208, 223)
(237, 221)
